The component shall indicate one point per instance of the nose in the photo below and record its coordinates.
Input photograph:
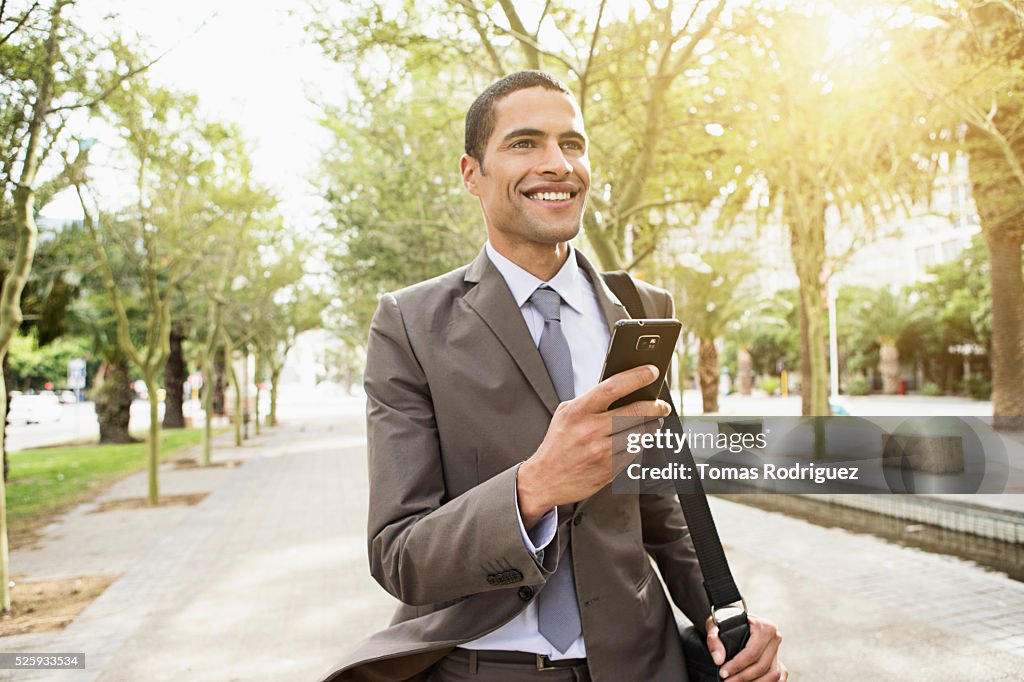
(554, 161)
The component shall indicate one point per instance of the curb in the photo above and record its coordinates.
(962, 517)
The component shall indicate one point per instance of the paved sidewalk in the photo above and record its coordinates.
(267, 579)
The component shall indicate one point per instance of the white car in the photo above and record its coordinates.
(34, 409)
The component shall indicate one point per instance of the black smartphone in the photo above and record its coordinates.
(641, 342)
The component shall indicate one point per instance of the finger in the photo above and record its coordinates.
(622, 456)
(757, 667)
(597, 399)
(778, 673)
(642, 409)
(624, 420)
(715, 645)
(760, 635)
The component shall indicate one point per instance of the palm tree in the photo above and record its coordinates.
(706, 290)
(884, 318)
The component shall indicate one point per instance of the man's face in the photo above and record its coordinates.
(535, 177)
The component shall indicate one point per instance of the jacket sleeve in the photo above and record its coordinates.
(423, 547)
(666, 537)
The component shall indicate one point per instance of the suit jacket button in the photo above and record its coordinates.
(576, 520)
(526, 593)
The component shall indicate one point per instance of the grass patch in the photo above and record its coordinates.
(47, 481)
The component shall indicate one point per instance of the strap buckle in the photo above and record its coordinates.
(544, 663)
(715, 609)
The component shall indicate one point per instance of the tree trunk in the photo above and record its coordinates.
(745, 372)
(817, 340)
(112, 397)
(805, 365)
(707, 368)
(208, 372)
(4, 410)
(680, 377)
(236, 417)
(174, 383)
(275, 377)
(1007, 328)
(889, 366)
(154, 436)
(258, 382)
(244, 386)
(219, 386)
(4, 549)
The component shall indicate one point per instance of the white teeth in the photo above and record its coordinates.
(552, 196)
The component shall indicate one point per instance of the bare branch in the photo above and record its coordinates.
(530, 47)
(527, 40)
(709, 23)
(626, 215)
(543, 14)
(585, 76)
(124, 338)
(19, 23)
(109, 91)
(473, 14)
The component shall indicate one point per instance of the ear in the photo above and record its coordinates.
(470, 169)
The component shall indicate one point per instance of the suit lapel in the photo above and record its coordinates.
(493, 302)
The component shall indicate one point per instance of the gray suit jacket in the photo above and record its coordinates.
(457, 397)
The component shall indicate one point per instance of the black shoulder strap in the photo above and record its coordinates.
(718, 581)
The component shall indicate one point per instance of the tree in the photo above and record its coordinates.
(884, 318)
(43, 78)
(830, 130)
(971, 61)
(708, 298)
(297, 310)
(246, 227)
(955, 306)
(92, 313)
(395, 208)
(173, 152)
(396, 204)
(770, 330)
(40, 89)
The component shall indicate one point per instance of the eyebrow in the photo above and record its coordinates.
(535, 132)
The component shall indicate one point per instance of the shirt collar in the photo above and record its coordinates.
(567, 281)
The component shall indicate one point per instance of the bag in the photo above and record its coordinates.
(718, 581)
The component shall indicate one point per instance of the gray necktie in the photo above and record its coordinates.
(558, 613)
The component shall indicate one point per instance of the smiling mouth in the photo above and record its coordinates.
(551, 196)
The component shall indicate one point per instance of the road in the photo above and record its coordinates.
(77, 422)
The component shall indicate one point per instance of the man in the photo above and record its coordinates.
(490, 445)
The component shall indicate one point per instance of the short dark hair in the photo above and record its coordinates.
(480, 117)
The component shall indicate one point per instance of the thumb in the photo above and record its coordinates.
(715, 645)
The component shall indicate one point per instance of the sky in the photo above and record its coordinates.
(249, 63)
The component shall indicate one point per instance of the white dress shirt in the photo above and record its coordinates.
(586, 330)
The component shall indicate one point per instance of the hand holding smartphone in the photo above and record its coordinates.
(641, 342)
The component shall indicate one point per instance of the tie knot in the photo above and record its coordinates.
(548, 302)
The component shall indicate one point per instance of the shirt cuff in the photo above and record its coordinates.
(542, 533)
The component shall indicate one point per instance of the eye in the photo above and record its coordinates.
(572, 144)
(522, 144)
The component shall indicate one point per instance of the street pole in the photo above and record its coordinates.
(833, 341)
